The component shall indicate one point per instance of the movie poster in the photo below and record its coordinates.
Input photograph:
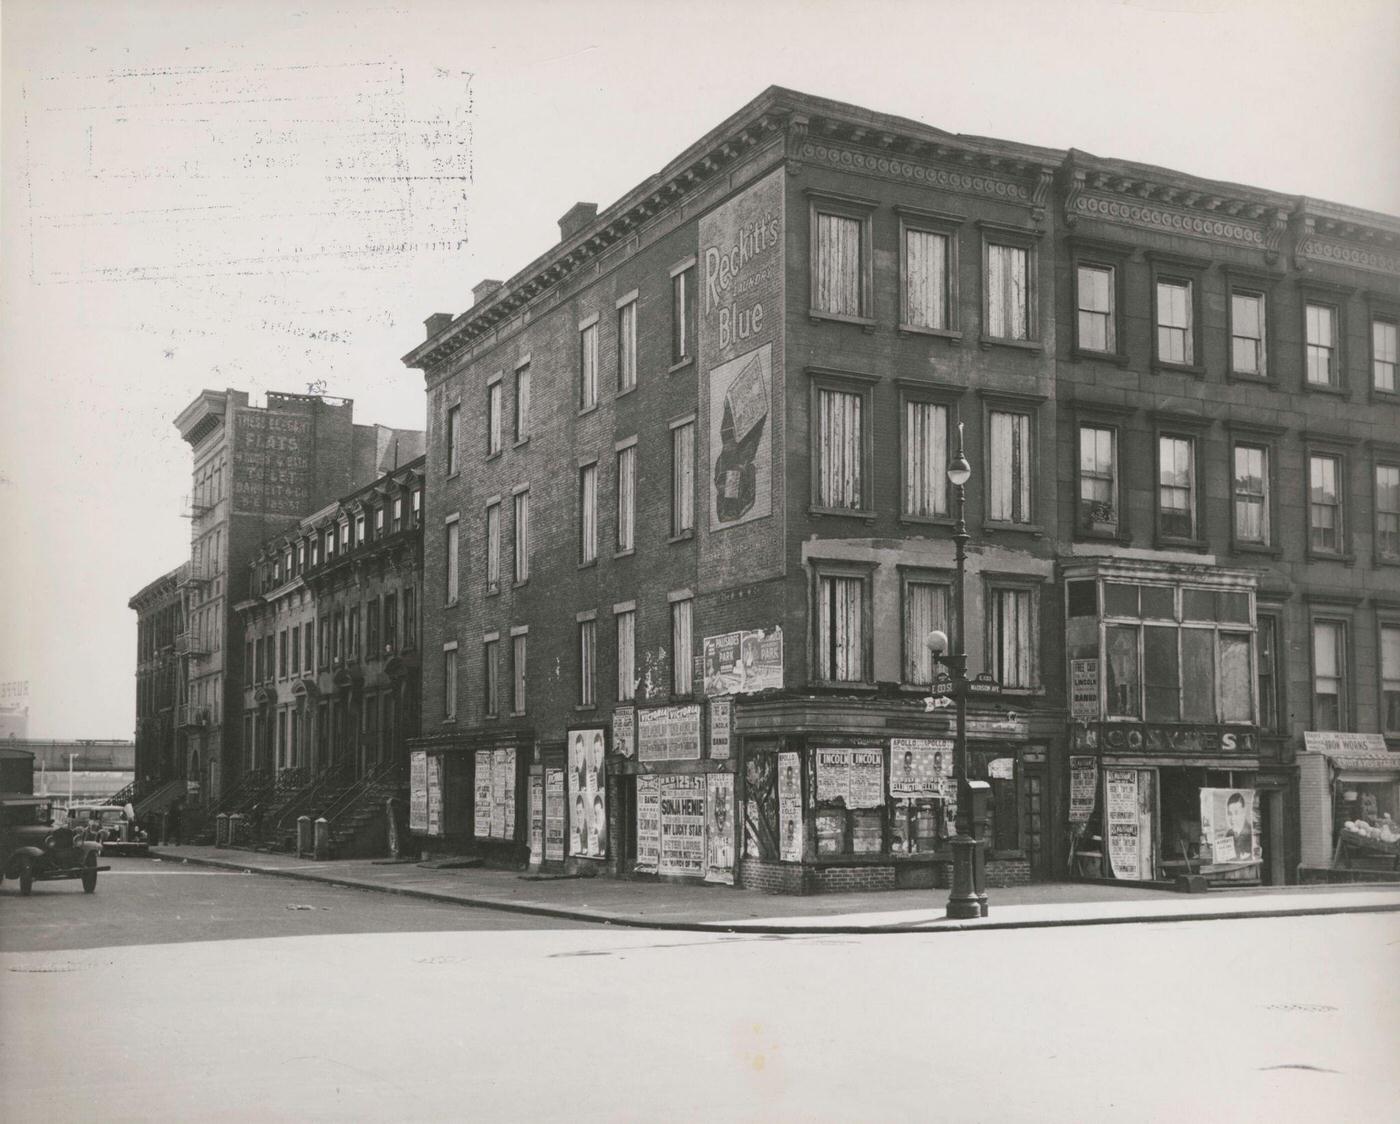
(624, 724)
(920, 767)
(682, 825)
(1230, 825)
(481, 805)
(536, 818)
(669, 733)
(789, 807)
(554, 815)
(1124, 830)
(648, 823)
(588, 820)
(1083, 788)
(719, 833)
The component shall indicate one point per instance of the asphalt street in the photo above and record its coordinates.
(146, 901)
(376, 1007)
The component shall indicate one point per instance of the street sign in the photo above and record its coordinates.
(931, 703)
(984, 684)
(941, 686)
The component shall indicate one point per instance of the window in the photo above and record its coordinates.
(352, 633)
(626, 623)
(839, 264)
(1329, 675)
(588, 365)
(493, 548)
(1096, 296)
(840, 654)
(1175, 342)
(1383, 348)
(491, 686)
(1011, 636)
(372, 629)
(378, 528)
(410, 618)
(1324, 504)
(1247, 333)
(295, 662)
(282, 654)
(1321, 344)
(588, 513)
(682, 315)
(345, 536)
(454, 449)
(627, 346)
(522, 403)
(391, 623)
(453, 568)
(840, 449)
(1390, 679)
(1251, 495)
(397, 525)
(1388, 512)
(1176, 487)
(682, 479)
(517, 672)
(359, 534)
(681, 644)
(324, 642)
(925, 609)
(927, 275)
(1008, 292)
(925, 459)
(1268, 677)
(627, 498)
(1098, 479)
(493, 418)
(449, 682)
(1009, 467)
(522, 536)
(307, 647)
(417, 504)
(587, 641)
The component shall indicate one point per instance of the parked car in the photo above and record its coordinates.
(33, 850)
(113, 826)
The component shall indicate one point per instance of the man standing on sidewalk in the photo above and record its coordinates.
(172, 825)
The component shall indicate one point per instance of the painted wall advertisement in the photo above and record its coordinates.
(719, 828)
(669, 733)
(921, 768)
(1121, 805)
(418, 791)
(536, 818)
(854, 776)
(648, 823)
(789, 807)
(554, 815)
(272, 461)
(1230, 825)
(588, 813)
(624, 724)
(739, 663)
(1083, 788)
(1084, 688)
(682, 825)
(721, 722)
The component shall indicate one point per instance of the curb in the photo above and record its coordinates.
(771, 929)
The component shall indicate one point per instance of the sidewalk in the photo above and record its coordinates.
(653, 905)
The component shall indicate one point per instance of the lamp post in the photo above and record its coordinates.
(963, 901)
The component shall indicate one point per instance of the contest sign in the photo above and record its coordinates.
(920, 768)
(789, 807)
(1230, 825)
(1083, 788)
(719, 828)
(588, 818)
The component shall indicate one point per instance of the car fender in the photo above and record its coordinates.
(12, 863)
(88, 845)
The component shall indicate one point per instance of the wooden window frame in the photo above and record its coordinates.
(1342, 450)
(993, 583)
(912, 391)
(1318, 294)
(823, 569)
(1251, 284)
(1381, 310)
(919, 575)
(1020, 238)
(948, 226)
(1170, 270)
(1192, 429)
(849, 207)
(1382, 456)
(842, 382)
(1028, 406)
(1259, 437)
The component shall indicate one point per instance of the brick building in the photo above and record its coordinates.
(161, 678)
(256, 470)
(687, 524)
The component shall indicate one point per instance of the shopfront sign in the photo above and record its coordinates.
(920, 768)
(721, 721)
(624, 724)
(669, 733)
(1335, 743)
(719, 828)
(1178, 740)
(1083, 788)
(1084, 688)
(853, 776)
(789, 807)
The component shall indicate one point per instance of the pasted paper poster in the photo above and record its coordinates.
(536, 819)
(418, 791)
(481, 791)
(721, 721)
(1124, 830)
(624, 724)
(918, 767)
(1083, 788)
(434, 794)
(1230, 825)
(648, 823)
(789, 807)
(588, 819)
(682, 825)
(554, 815)
(719, 834)
(854, 776)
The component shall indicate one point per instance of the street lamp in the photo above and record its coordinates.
(963, 901)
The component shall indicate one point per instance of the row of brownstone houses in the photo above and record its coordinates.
(652, 593)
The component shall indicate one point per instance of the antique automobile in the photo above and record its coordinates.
(112, 826)
(33, 850)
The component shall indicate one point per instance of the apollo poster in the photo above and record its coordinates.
(588, 817)
(1230, 825)
(682, 825)
(648, 823)
(920, 767)
(719, 828)
(740, 347)
(789, 807)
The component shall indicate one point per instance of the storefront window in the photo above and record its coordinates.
(1159, 657)
(1124, 686)
(1234, 677)
(761, 805)
(999, 768)
(1197, 675)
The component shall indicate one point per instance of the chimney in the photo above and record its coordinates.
(437, 322)
(482, 290)
(576, 218)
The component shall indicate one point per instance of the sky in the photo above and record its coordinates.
(271, 196)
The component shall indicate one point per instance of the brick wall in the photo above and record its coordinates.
(772, 877)
(1008, 872)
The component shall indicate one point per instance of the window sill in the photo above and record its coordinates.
(450, 476)
(451, 604)
(517, 714)
(987, 342)
(1167, 542)
(952, 335)
(581, 707)
(495, 455)
(520, 584)
(1116, 358)
(1346, 558)
(624, 391)
(1191, 370)
(631, 550)
(590, 564)
(684, 536)
(1245, 376)
(843, 512)
(450, 721)
(816, 316)
(1086, 534)
(681, 364)
(846, 685)
(1262, 549)
(588, 409)
(1386, 560)
(520, 442)
(1389, 397)
(493, 589)
(928, 520)
(992, 525)
(1324, 388)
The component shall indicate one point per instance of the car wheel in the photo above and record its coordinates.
(26, 875)
(90, 872)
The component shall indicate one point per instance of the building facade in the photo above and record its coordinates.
(161, 677)
(688, 527)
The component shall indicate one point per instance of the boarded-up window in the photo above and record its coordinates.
(1174, 336)
(522, 536)
(1161, 675)
(1236, 701)
(588, 512)
(1012, 640)
(449, 683)
(1008, 292)
(627, 346)
(587, 639)
(517, 670)
(453, 569)
(454, 448)
(1197, 675)
(925, 279)
(682, 315)
(1009, 464)
(1251, 494)
(681, 647)
(626, 497)
(839, 449)
(838, 267)
(522, 403)
(626, 655)
(493, 418)
(925, 609)
(588, 367)
(1124, 684)
(925, 459)
(493, 547)
(1096, 330)
(841, 629)
(492, 684)
(683, 478)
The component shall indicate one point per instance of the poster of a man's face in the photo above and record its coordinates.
(1228, 819)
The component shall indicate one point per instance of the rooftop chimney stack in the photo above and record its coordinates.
(576, 218)
(483, 289)
(437, 322)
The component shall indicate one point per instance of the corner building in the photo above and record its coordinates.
(688, 526)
